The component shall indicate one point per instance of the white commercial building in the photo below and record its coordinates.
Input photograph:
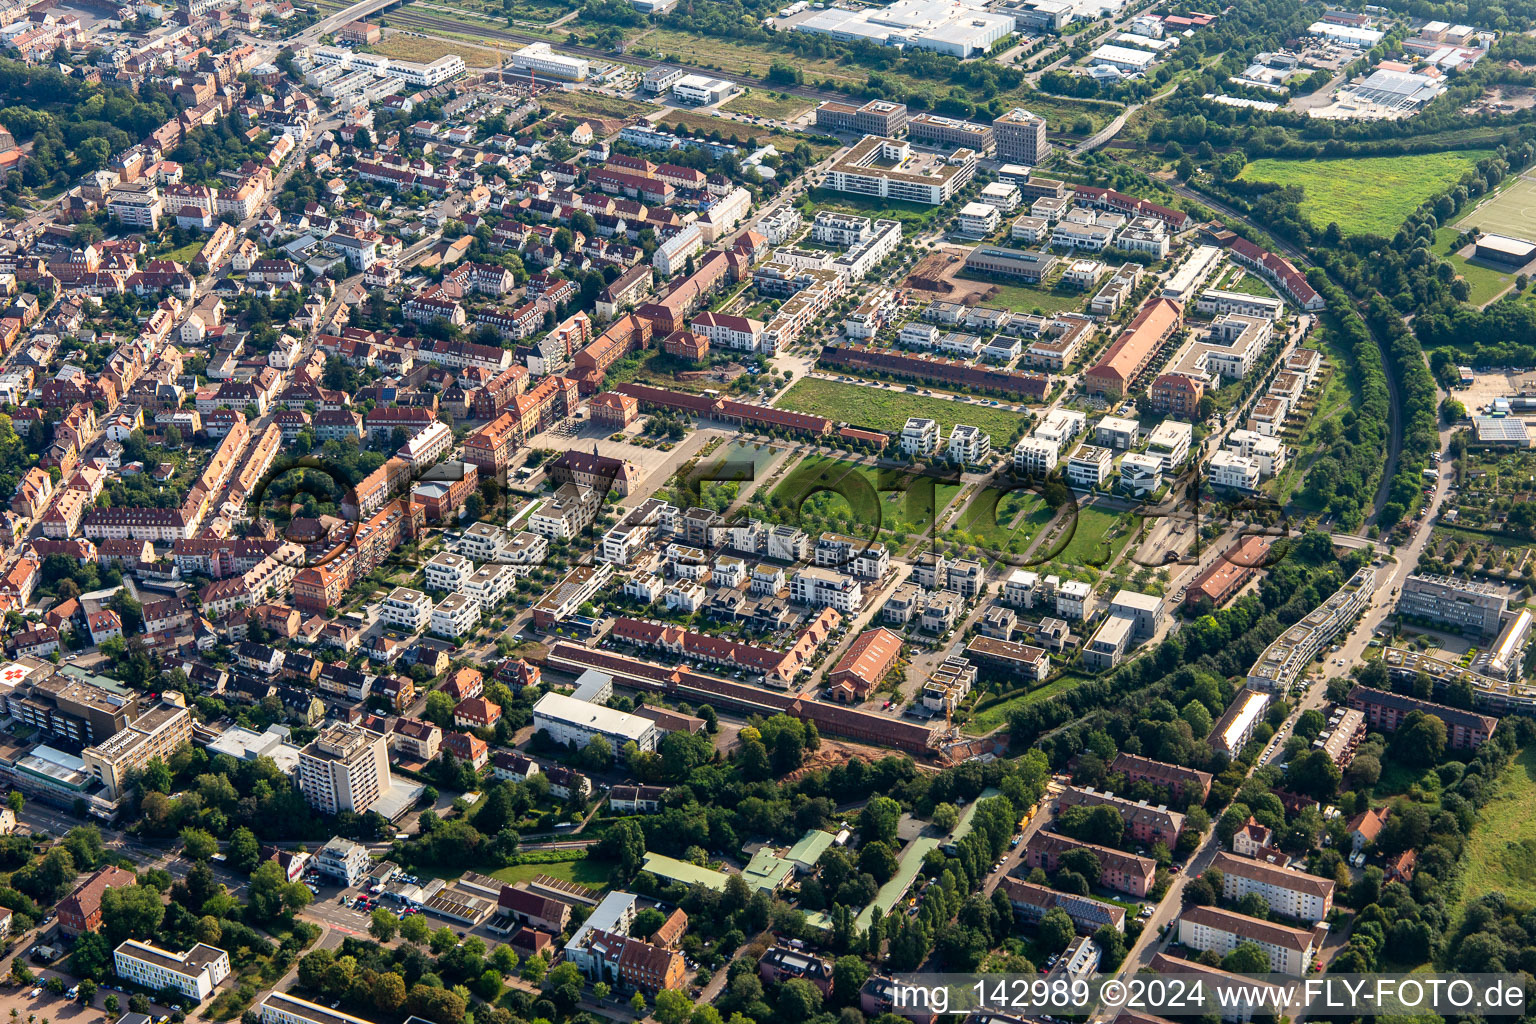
(569, 720)
(700, 90)
(541, 60)
(1122, 58)
(1346, 35)
(195, 973)
(959, 28)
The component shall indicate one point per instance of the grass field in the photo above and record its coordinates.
(1366, 195)
(1097, 539)
(1002, 521)
(1023, 298)
(886, 410)
(583, 872)
(763, 103)
(426, 49)
(1484, 282)
(996, 716)
(912, 216)
(1340, 394)
(825, 490)
(1501, 852)
(593, 104)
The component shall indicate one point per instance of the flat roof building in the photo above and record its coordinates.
(566, 719)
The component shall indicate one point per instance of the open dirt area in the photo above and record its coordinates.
(935, 274)
(1488, 386)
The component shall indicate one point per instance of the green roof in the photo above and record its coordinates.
(671, 869)
(809, 849)
(907, 869)
(766, 871)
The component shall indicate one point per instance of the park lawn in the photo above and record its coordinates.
(1095, 541)
(888, 411)
(1501, 851)
(912, 216)
(864, 496)
(1004, 521)
(996, 716)
(186, 253)
(780, 106)
(583, 872)
(1366, 195)
(426, 49)
(1027, 298)
(1484, 283)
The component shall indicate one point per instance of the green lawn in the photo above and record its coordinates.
(1002, 520)
(780, 106)
(1024, 298)
(583, 872)
(911, 216)
(1251, 284)
(846, 497)
(1340, 394)
(1097, 538)
(1366, 195)
(1484, 282)
(886, 410)
(996, 716)
(186, 253)
(1501, 852)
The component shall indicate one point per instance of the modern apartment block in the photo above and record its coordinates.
(194, 973)
(159, 732)
(887, 169)
(877, 117)
(1290, 893)
(1288, 657)
(1020, 137)
(1464, 605)
(345, 768)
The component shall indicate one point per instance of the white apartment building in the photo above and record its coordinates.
(1169, 442)
(195, 973)
(1061, 425)
(567, 720)
(1090, 466)
(1004, 195)
(672, 255)
(920, 437)
(448, 571)
(490, 585)
(823, 588)
(1086, 231)
(281, 1008)
(428, 446)
(1036, 456)
(1072, 598)
(1116, 432)
(978, 220)
(1213, 301)
(455, 615)
(916, 335)
(1019, 588)
(1145, 234)
(781, 225)
(407, 608)
(345, 768)
(1267, 451)
(1140, 474)
(968, 444)
(840, 229)
(1228, 469)
(1291, 893)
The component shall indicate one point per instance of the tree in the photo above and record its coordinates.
(600, 990)
(389, 992)
(91, 957)
(878, 820)
(946, 816)
(244, 851)
(637, 1004)
(1314, 774)
(1420, 740)
(646, 922)
(1056, 930)
(382, 924)
(131, 912)
(111, 1005)
(1247, 958)
(849, 974)
(673, 1007)
(272, 895)
(439, 708)
(414, 929)
(15, 801)
(198, 844)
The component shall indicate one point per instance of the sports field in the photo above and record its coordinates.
(1366, 195)
(1510, 211)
